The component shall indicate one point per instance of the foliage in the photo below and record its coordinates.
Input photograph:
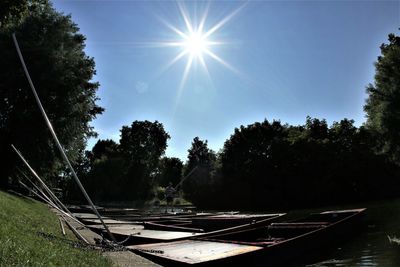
(170, 170)
(22, 219)
(142, 144)
(104, 149)
(130, 169)
(383, 103)
(199, 185)
(62, 73)
(12, 11)
(269, 165)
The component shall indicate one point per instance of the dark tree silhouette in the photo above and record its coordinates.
(53, 50)
(383, 103)
(170, 170)
(199, 185)
(142, 144)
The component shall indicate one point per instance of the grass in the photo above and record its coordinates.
(21, 244)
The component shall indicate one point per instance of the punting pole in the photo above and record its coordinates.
(49, 125)
(51, 203)
(76, 232)
(37, 188)
(187, 176)
(62, 226)
(56, 200)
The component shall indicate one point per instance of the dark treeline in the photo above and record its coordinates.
(261, 166)
(264, 165)
(270, 165)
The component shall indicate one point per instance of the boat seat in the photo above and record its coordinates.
(272, 240)
(301, 225)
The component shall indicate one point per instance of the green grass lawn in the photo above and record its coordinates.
(21, 244)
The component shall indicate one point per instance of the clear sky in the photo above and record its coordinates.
(266, 59)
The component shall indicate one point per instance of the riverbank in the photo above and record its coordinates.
(30, 235)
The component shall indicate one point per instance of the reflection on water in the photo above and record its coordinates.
(371, 247)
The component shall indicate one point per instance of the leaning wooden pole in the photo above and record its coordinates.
(60, 148)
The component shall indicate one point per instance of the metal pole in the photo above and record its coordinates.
(51, 204)
(60, 148)
(40, 180)
(184, 178)
(62, 226)
(37, 188)
(48, 200)
(76, 232)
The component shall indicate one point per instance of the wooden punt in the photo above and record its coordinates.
(138, 234)
(201, 224)
(267, 245)
(90, 219)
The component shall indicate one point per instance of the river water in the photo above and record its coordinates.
(370, 247)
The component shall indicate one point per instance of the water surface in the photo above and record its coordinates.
(370, 247)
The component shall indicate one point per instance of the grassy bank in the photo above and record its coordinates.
(24, 225)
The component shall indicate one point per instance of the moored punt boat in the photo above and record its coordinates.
(227, 220)
(89, 218)
(273, 244)
(209, 223)
(139, 235)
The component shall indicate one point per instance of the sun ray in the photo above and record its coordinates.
(203, 18)
(223, 21)
(185, 18)
(184, 78)
(204, 65)
(220, 60)
(183, 35)
(174, 60)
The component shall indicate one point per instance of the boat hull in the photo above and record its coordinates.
(242, 247)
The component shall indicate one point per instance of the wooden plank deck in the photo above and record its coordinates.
(194, 251)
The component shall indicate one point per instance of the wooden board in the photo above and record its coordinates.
(106, 221)
(118, 226)
(153, 234)
(85, 215)
(194, 251)
(239, 216)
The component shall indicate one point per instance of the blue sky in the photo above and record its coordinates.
(288, 59)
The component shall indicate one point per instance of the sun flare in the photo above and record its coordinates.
(197, 41)
(196, 44)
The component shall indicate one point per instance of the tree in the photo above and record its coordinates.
(104, 149)
(199, 186)
(62, 73)
(13, 11)
(142, 144)
(383, 103)
(170, 170)
(252, 164)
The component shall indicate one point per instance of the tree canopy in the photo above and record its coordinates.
(62, 73)
(201, 160)
(170, 170)
(383, 103)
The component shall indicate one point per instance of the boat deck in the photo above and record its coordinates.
(192, 251)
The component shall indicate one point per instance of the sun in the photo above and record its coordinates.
(196, 44)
